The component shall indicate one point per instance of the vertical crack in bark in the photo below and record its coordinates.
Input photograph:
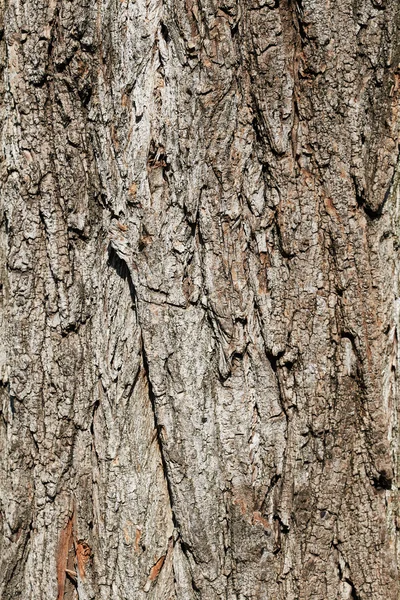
(122, 268)
(157, 430)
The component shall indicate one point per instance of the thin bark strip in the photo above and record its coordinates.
(65, 546)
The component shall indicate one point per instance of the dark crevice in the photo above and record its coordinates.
(298, 19)
(343, 575)
(95, 407)
(273, 359)
(284, 528)
(237, 355)
(258, 132)
(164, 32)
(158, 432)
(78, 233)
(379, 4)
(382, 478)
(188, 555)
(371, 213)
(35, 443)
(72, 579)
(274, 481)
(257, 411)
(354, 594)
(122, 270)
(235, 29)
(383, 481)
(349, 336)
(12, 404)
(185, 547)
(282, 250)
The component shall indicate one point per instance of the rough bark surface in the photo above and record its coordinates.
(199, 300)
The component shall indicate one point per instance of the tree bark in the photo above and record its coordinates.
(199, 300)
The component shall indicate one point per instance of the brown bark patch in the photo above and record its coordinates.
(155, 570)
(242, 505)
(258, 518)
(132, 191)
(64, 547)
(137, 540)
(83, 554)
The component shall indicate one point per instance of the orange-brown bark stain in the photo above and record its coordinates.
(64, 547)
(155, 570)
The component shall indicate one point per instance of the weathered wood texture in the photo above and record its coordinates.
(199, 300)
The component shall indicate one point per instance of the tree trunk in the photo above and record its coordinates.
(199, 300)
